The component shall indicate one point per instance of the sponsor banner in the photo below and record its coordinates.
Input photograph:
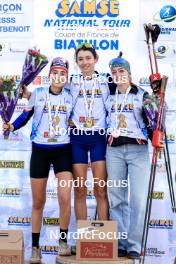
(10, 192)
(51, 194)
(144, 82)
(69, 23)
(18, 140)
(162, 13)
(41, 80)
(166, 52)
(155, 252)
(161, 223)
(110, 26)
(13, 50)
(96, 22)
(11, 164)
(53, 250)
(158, 195)
(16, 19)
(51, 221)
(19, 221)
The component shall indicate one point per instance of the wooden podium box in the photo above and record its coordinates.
(72, 260)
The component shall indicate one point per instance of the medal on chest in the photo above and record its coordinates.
(89, 122)
(54, 121)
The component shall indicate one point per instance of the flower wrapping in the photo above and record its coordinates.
(10, 92)
(151, 104)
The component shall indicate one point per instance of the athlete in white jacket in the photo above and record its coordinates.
(50, 108)
(127, 158)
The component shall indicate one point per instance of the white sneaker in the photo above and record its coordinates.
(36, 255)
(64, 249)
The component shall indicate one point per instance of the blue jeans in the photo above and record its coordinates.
(127, 204)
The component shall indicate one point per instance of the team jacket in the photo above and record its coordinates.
(133, 124)
(101, 90)
(38, 108)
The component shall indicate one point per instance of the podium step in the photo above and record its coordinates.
(72, 260)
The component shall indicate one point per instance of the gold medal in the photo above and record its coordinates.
(89, 122)
(55, 120)
(122, 121)
(55, 125)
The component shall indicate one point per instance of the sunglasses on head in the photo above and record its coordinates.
(86, 44)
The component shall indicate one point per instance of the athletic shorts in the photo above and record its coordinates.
(42, 159)
(84, 144)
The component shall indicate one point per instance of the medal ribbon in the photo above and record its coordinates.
(89, 107)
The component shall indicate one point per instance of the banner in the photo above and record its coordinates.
(16, 19)
(57, 28)
(160, 12)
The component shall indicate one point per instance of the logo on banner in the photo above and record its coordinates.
(20, 107)
(7, 8)
(9, 164)
(41, 80)
(144, 81)
(74, 16)
(51, 193)
(53, 250)
(16, 19)
(19, 221)
(170, 138)
(90, 195)
(10, 192)
(16, 78)
(88, 8)
(161, 51)
(166, 14)
(154, 252)
(51, 221)
(158, 195)
(161, 224)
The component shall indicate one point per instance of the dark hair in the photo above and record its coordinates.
(84, 48)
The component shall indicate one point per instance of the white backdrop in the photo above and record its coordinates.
(56, 31)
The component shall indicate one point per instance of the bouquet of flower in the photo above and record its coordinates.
(151, 104)
(33, 64)
(10, 92)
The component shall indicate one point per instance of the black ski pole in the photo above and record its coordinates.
(157, 137)
(169, 174)
(147, 34)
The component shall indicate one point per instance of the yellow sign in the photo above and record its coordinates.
(13, 164)
(87, 8)
(51, 221)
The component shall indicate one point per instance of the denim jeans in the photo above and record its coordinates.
(127, 204)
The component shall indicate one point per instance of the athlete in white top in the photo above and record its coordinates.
(89, 117)
(51, 108)
(127, 158)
